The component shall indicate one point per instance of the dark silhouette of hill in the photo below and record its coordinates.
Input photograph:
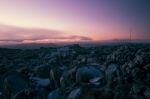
(85, 44)
(29, 45)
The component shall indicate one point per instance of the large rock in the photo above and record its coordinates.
(103, 93)
(55, 75)
(14, 83)
(2, 96)
(138, 74)
(31, 94)
(2, 92)
(25, 70)
(147, 78)
(42, 71)
(24, 94)
(88, 73)
(54, 94)
(113, 73)
(68, 78)
(147, 93)
(40, 81)
(75, 94)
(142, 57)
(138, 90)
(147, 67)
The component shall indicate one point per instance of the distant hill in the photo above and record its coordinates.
(85, 44)
(29, 45)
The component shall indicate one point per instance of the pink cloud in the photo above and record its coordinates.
(17, 34)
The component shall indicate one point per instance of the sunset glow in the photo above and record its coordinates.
(45, 21)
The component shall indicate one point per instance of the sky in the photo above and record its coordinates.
(25, 21)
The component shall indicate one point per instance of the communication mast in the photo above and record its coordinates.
(130, 35)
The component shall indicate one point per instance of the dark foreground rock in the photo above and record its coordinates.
(75, 72)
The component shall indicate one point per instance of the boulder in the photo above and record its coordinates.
(75, 94)
(14, 83)
(142, 58)
(113, 73)
(24, 94)
(42, 71)
(138, 74)
(25, 70)
(138, 90)
(55, 75)
(2, 96)
(31, 94)
(147, 67)
(147, 93)
(54, 94)
(68, 78)
(40, 81)
(1, 86)
(88, 74)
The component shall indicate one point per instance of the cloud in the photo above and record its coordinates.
(75, 37)
(81, 37)
(11, 40)
(20, 35)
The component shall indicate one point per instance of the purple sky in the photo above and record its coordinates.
(73, 20)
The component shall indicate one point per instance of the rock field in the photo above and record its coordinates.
(75, 72)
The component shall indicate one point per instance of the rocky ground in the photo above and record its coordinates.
(75, 72)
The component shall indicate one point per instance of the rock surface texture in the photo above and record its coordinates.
(76, 72)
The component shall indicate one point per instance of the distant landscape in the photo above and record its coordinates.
(84, 44)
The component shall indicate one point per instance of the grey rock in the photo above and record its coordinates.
(54, 94)
(87, 73)
(142, 57)
(147, 67)
(68, 78)
(113, 73)
(42, 71)
(2, 96)
(75, 94)
(15, 83)
(40, 81)
(137, 90)
(147, 93)
(24, 94)
(55, 75)
(138, 74)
